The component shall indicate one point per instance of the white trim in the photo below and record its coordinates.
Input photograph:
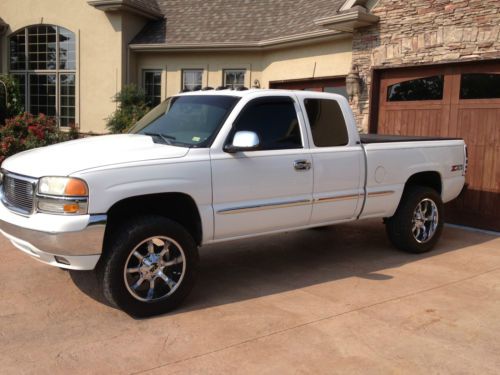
(243, 45)
(347, 5)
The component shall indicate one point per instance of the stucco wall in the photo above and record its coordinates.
(415, 32)
(100, 50)
(300, 62)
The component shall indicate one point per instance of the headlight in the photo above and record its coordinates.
(62, 195)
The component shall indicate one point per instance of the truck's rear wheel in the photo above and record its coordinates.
(418, 222)
(149, 266)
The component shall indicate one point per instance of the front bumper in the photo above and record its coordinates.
(76, 244)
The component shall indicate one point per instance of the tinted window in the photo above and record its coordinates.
(428, 88)
(274, 120)
(327, 122)
(480, 86)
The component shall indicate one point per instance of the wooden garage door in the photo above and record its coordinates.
(454, 101)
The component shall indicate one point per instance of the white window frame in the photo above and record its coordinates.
(156, 71)
(183, 78)
(233, 86)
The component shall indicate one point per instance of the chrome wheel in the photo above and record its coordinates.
(154, 269)
(425, 220)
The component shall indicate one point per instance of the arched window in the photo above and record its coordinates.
(43, 60)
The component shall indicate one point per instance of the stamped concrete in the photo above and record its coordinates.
(337, 300)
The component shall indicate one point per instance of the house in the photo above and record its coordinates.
(422, 67)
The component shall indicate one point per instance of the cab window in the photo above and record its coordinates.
(274, 120)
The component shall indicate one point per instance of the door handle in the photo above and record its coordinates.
(302, 165)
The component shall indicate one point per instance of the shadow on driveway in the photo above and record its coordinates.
(252, 268)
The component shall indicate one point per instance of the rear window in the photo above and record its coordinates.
(327, 122)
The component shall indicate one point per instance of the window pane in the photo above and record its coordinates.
(17, 51)
(67, 99)
(42, 94)
(21, 85)
(192, 80)
(480, 86)
(67, 59)
(327, 122)
(274, 120)
(234, 78)
(152, 87)
(42, 47)
(428, 88)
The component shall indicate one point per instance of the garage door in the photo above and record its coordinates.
(453, 101)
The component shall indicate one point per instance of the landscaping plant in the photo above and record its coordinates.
(27, 131)
(131, 108)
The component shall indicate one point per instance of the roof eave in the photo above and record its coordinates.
(274, 43)
(124, 6)
(348, 21)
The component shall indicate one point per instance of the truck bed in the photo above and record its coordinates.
(382, 138)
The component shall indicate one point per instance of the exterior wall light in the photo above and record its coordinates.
(353, 83)
(256, 84)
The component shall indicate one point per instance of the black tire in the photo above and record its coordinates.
(400, 226)
(118, 254)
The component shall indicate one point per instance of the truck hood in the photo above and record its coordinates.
(70, 157)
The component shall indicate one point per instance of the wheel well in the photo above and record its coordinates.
(428, 179)
(175, 206)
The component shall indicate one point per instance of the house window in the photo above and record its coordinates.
(192, 79)
(234, 78)
(151, 81)
(42, 58)
(428, 88)
(480, 86)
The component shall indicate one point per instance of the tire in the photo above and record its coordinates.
(156, 250)
(408, 229)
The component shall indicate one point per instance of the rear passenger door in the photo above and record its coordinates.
(338, 162)
(268, 189)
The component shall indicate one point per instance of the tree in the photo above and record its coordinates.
(131, 108)
(11, 103)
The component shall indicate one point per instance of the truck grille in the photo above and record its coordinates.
(18, 193)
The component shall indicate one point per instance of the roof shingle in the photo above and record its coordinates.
(223, 21)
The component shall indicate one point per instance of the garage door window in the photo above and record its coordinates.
(427, 88)
(480, 86)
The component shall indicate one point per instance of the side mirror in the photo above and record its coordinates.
(243, 141)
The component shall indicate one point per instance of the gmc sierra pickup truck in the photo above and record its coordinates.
(218, 165)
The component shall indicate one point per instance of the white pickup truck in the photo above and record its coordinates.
(212, 166)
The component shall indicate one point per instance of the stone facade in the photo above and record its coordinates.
(416, 32)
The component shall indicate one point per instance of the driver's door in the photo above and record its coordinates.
(268, 189)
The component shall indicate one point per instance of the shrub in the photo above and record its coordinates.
(14, 105)
(26, 131)
(131, 108)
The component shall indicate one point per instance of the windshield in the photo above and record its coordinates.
(189, 121)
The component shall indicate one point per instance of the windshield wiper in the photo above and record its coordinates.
(165, 137)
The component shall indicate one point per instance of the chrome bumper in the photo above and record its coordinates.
(79, 250)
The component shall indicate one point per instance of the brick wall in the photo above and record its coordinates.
(413, 32)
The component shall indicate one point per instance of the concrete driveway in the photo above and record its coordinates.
(338, 300)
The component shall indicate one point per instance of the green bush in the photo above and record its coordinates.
(26, 131)
(14, 104)
(131, 108)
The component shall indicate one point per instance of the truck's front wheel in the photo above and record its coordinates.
(149, 266)
(417, 224)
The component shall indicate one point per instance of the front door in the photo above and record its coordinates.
(268, 189)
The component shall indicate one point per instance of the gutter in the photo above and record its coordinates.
(318, 36)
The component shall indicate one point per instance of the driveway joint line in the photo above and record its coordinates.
(315, 321)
